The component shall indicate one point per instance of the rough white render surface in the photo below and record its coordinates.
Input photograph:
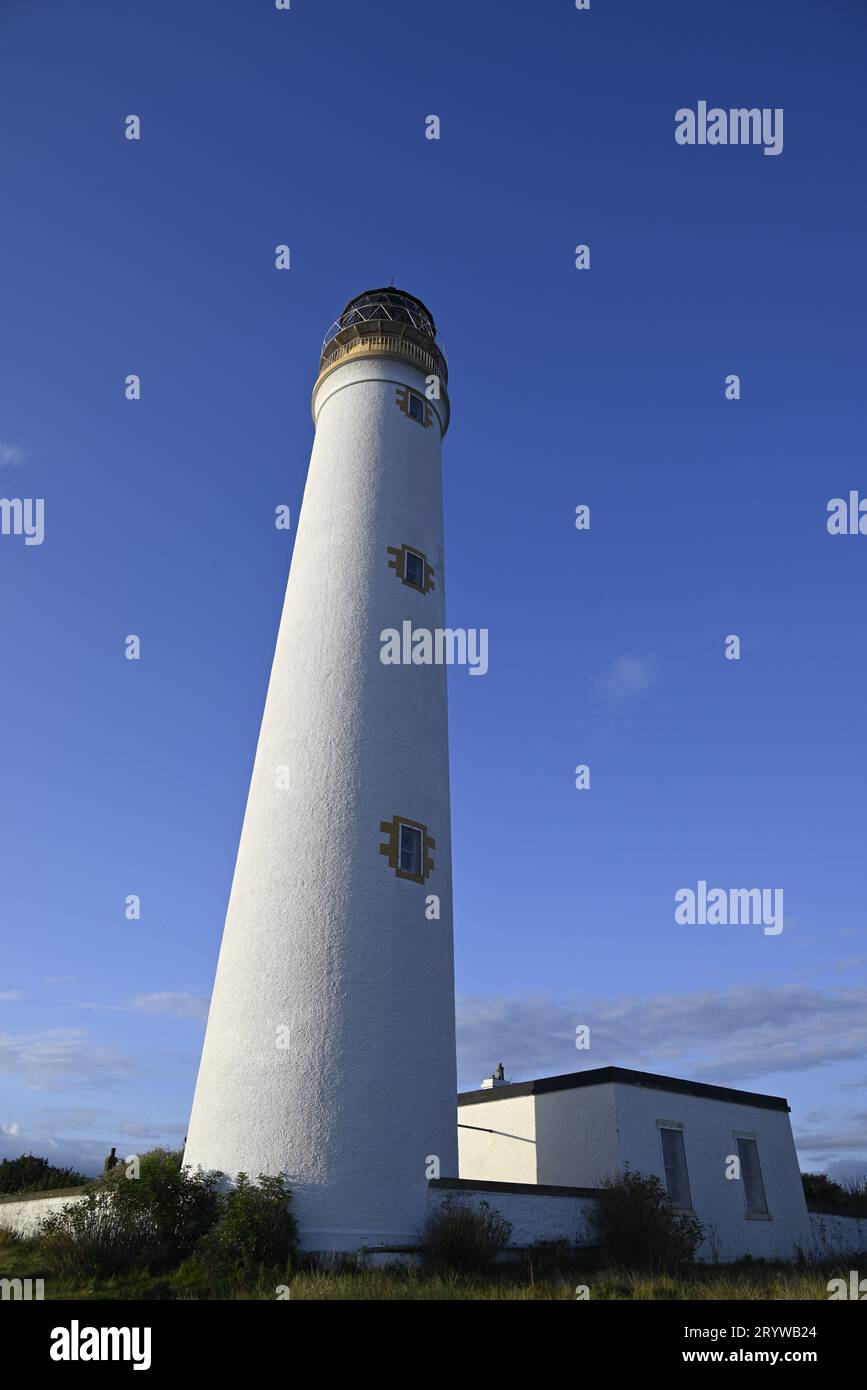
(497, 1142)
(710, 1129)
(577, 1140)
(321, 937)
(562, 1138)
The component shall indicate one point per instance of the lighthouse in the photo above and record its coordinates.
(329, 1054)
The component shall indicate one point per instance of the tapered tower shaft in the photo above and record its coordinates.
(330, 1050)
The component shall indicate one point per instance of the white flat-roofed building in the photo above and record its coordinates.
(725, 1154)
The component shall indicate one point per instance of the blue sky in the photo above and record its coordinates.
(602, 387)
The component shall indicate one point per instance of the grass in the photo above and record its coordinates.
(747, 1280)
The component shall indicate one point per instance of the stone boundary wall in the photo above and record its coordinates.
(536, 1212)
(839, 1235)
(22, 1212)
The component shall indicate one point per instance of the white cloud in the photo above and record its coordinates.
(729, 1037)
(847, 1132)
(8, 994)
(53, 1059)
(626, 678)
(168, 1004)
(11, 456)
(845, 1169)
(79, 1136)
(193, 1006)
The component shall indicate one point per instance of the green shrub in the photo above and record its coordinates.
(638, 1227)
(824, 1194)
(150, 1222)
(92, 1236)
(31, 1174)
(255, 1228)
(179, 1205)
(464, 1238)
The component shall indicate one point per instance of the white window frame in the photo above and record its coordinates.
(754, 1138)
(409, 550)
(405, 825)
(679, 1126)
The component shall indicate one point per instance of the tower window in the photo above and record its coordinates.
(408, 848)
(751, 1177)
(411, 567)
(414, 406)
(410, 851)
(414, 570)
(674, 1162)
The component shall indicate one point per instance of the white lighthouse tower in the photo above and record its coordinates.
(330, 1048)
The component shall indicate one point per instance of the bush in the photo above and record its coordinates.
(178, 1204)
(464, 1238)
(31, 1174)
(640, 1229)
(92, 1236)
(150, 1222)
(847, 1198)
(548, 1258)
(255, 1228)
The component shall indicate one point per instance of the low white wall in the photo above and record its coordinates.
(838, 1235)
(22, 1215)
(550, 1213)
(543, 1214)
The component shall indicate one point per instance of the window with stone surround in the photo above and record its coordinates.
(411, 567)
(407, 848)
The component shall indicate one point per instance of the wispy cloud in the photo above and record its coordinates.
(626, 678)
(12, 455)
(851, 963)
(8, 994)
(730, 1037)
(835, 1144)
(193, 1006)
(80, 1136)
(847, 1132)
(52, 1060)
(168, 1004)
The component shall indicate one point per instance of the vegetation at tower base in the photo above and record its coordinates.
(638, 1228)
(554, 1279)
(149, 1222)
(464, 1238)
(31, 1174)
(255, 1228)
(165, 1216)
